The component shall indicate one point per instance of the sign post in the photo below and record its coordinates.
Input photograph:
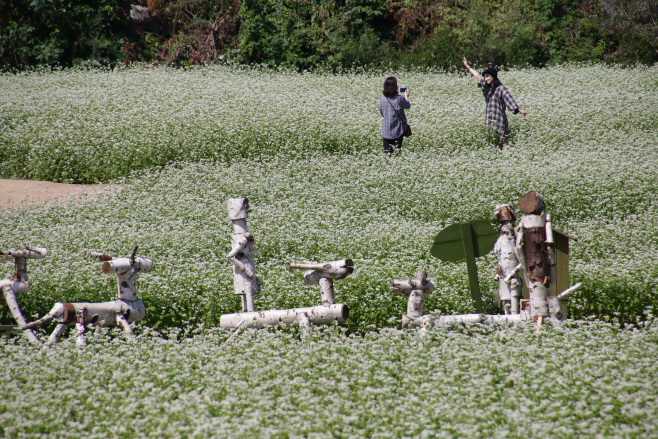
(466, 240)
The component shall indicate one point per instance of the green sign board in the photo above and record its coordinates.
(466, 241)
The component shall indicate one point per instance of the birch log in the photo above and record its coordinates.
(10, 287)
(316, 315)
(127, 270)
(415, 290)
(324, 274)
(103, 313)
(563, 295)
(81, 328)
(245, 282)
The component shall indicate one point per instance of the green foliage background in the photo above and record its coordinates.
(338, 33)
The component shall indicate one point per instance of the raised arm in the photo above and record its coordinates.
(473, 72)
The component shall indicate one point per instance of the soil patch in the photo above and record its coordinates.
(19, 193)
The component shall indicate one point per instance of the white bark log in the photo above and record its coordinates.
(328, 270)
(81, 328)
(512, 273)
(470, 319)
(563, 295)
(241, 267)
(327, 292)
(549, 229)
(304, 325)
(239, 244)
(59, 329)
(238, 208)
(316, 314)
(27, 253)
(100, 256)
(415, 289)
(538, 299)
(405, 286)
(554, 308)
(7, 287)
(127, 270)
(103, 314)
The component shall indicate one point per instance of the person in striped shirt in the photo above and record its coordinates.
(498, 99)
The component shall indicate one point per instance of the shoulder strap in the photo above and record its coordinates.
(396, 111)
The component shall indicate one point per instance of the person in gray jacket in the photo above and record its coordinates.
(392, 106)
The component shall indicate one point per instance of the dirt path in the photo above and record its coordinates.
(17, 193)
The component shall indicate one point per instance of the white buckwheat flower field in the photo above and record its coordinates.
(305, 149)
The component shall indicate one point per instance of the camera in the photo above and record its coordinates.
(403, 89)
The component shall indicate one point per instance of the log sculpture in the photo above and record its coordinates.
(127, 309)
(534, 250)
(245, 282)
(329, 311)
(416, 290)
(509, 283)
(19, 284)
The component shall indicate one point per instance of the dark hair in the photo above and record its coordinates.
(496, 82)
(390, 87)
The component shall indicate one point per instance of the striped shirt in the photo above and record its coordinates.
(392, 127)
(497, 101)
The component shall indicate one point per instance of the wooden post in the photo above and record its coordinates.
(245, 282)
(466, 240)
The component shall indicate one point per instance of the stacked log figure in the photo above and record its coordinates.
(245, 282)
(534, 249)
(415, 290)
(19, 284)
(127, 309)
(509, 282)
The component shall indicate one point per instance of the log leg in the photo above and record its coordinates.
(249, 301)
(304, 325)
(244, 302)
(415, 303)
(15, 311)
(241, 327)
(515, 292)
(81, 328)
(327, 291)
(56, 334)
(125, 327)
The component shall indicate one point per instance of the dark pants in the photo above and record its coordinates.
(393, 145)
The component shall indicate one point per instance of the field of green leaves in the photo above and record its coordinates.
(306, 150)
